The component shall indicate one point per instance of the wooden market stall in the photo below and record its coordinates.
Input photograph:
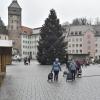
(5, 55)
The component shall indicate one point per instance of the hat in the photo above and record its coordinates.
(56, 59)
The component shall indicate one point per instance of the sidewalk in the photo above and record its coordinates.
(30, 83)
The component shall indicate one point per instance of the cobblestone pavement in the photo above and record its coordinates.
(30, 83)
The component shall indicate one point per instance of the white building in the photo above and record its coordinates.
(29, 42)
(83, 39)
(36, 36)
(26, 42)
(3, 37)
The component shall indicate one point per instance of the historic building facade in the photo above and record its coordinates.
(14, 25)
(36, 36)
(29, 42)
(83, 39)
(26, 42)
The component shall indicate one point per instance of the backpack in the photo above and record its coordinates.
(56, 66)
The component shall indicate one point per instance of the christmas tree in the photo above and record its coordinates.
(51, 44)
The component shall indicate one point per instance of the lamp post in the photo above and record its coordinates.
(67, 34)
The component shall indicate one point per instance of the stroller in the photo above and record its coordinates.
(79, 74)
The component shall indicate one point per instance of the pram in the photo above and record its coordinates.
(79, 74)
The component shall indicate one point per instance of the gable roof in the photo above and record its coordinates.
(26, 30)
(14, 4)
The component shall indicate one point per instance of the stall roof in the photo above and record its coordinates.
(5, 43)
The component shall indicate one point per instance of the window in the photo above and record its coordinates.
(76, 39)
(76, 51)
(96, 50)
(73, 39)
(76, 45)
(96, 45)
(23, 52)
(80, 33)
(80, 39)
(80, 45)
(80, 51)
(72, 33)
(11, 27)
(75, 33)
(73, 51)
(69, 45)
(17, 27)
(73, 45)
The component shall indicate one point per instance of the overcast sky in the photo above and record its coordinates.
(34, 12)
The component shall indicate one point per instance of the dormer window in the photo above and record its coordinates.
(72, 33)
(80, 33)
(75, 33)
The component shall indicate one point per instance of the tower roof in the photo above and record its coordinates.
(14, 4)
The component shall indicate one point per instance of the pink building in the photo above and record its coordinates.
(83, 39)
(89, 43)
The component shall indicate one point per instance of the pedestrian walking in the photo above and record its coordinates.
(78, 67)
(66, 60)
(56, 68)
(73, 69)
(25, 61)
(29, 60)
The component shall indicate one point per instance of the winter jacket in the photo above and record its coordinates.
(73, 66)
(56, 66)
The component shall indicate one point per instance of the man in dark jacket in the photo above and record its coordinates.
(73, 69)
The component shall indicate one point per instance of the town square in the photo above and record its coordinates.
(49, 50)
